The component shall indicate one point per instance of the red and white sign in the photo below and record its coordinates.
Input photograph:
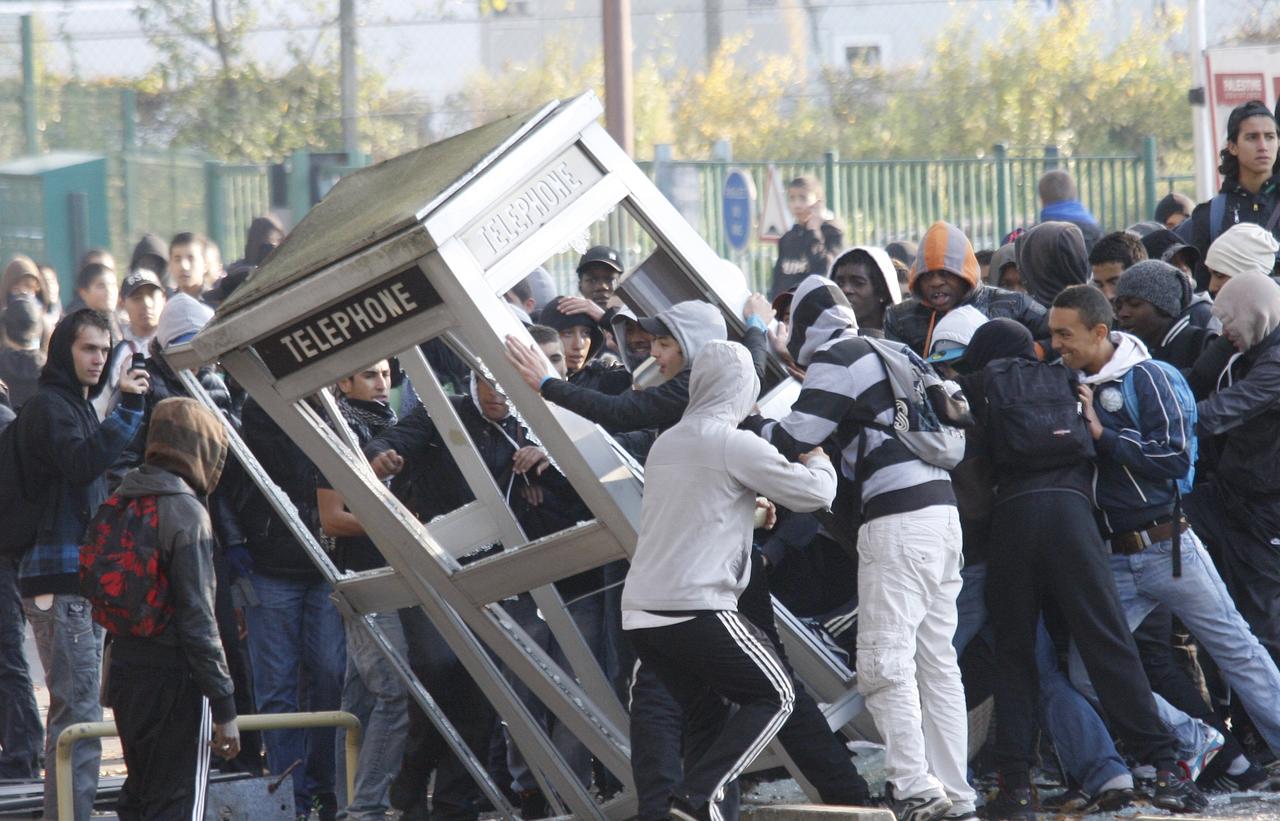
(1234, 89)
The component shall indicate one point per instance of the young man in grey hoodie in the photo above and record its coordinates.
(692, 561)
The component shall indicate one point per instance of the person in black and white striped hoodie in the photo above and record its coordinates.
(909, 555)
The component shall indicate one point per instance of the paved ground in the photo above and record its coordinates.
(1254, 806)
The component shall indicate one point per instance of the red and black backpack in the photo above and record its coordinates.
(121, 573)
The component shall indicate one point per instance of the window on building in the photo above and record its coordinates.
(861, 56)
(505, 8)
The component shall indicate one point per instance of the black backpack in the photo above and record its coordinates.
(22, 509)
(1035, 421)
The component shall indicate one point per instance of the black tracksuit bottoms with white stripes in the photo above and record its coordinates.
(165, 727)
(720, 652)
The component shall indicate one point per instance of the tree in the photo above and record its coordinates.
(1037, 81)
(516, 87)
(210, 92)
(1027, 79)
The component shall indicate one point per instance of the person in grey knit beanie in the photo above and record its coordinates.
(1151, 300)
(1156, 282)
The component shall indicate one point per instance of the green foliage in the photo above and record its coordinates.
(210, 93)
(1037, 80)
(515, 87)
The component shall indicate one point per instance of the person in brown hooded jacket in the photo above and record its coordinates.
(171, 692)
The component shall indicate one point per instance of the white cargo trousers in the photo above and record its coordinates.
(908, 579)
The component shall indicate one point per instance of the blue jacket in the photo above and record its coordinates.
(1139, 460)
(69, 453)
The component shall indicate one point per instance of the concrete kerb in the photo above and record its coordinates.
(816, 812)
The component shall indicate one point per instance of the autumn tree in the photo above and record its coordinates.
(515, 87)
(212, 93)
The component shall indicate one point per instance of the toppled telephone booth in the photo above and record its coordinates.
(423, 246)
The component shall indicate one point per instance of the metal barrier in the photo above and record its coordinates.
(72, 735)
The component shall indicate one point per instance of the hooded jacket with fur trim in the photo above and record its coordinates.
(701, 482)
(69, 452)
(945, 248)
(186, 451)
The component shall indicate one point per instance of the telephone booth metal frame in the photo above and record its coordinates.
(422, 246)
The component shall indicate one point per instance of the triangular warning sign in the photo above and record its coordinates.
(775, 218)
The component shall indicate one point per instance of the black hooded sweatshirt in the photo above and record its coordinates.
(1052, 257)
(67, 452)
(256, 250)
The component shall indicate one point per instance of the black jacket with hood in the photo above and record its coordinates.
(68, 452)
(595, 374)
(186, 451)
(1241, 206)
(1051, 258)
(693, 324)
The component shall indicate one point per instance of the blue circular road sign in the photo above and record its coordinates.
(739, 199)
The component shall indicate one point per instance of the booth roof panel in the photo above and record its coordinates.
(375, 202)
(48, 162)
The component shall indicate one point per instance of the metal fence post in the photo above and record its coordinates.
(299, 185)
(30, 111)
(1149, 175)
(1001, 152)
(1051, 155)
(829, 160)
(214, 203)
(128, 118)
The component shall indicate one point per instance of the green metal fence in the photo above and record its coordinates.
(167, 192)
(879, 201)
(235, 195)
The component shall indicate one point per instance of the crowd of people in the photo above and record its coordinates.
(1045, 474)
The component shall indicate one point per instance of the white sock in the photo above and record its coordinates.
(1239, 765)
(1124, 781)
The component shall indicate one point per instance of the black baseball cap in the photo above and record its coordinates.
(139, 278)
(602, 254)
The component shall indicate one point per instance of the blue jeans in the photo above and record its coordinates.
(1200, 600)
(21, 733)
(70, 646)
(1084, 746)
(588, 614)
(296, 635)
(374, 693)
(971, 605)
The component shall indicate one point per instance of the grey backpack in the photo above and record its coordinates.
(930, 413)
